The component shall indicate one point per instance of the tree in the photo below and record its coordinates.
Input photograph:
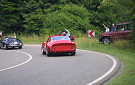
(69, 16)
(133, 21)
(10, 16)
(33, 16)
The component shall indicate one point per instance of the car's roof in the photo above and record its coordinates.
(56, 35)
(10, 39)
(125, 23)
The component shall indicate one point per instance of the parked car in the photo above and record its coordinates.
(58, 44)
(10, 43)
(122, 32)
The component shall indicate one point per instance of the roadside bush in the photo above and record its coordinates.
(32, 38)
(121, 44)
(124, 44)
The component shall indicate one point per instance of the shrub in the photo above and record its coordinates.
(124, 44)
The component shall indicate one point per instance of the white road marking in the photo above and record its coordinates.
(30, 57)
(108, 72)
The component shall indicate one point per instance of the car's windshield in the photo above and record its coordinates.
(60, 38)
(11, 39)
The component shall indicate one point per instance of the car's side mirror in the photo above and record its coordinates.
(72, 38)
(43, 43)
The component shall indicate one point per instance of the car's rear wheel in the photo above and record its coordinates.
(42, 50)
(48, 52)
(106, 40)
(5, 46)
(0, 45)
(73, 53)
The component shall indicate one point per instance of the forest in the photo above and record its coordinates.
(43, 17)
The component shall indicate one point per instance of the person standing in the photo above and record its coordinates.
(67, 32)
(0, 33)
(14, 35)
(113, 28)
(107, 28)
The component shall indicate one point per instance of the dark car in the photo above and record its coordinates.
(10, 43)
(58, 44)
(122, 32)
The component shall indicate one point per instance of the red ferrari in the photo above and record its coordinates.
(58, 44)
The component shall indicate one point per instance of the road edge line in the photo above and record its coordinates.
(30, 58)
(108, 72)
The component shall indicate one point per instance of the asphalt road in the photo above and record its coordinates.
(27, 66)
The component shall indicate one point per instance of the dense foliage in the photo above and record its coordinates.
(48, 16)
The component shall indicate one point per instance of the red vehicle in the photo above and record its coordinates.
(58, 44)
(122, 32)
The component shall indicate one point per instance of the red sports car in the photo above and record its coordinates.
(58, 44)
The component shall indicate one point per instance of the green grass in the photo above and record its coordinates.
(32, 39)
(121, 49)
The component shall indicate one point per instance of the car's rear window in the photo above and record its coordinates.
(60, 38)
(12, 39)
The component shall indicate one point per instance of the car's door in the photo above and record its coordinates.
(126, 34)
(120, 34)
(114, 35)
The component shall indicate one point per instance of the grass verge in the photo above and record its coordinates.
(32, 39)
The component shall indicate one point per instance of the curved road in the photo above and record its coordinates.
(28, 66)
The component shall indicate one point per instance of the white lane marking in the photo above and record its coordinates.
(108, 72)
(30, 57)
